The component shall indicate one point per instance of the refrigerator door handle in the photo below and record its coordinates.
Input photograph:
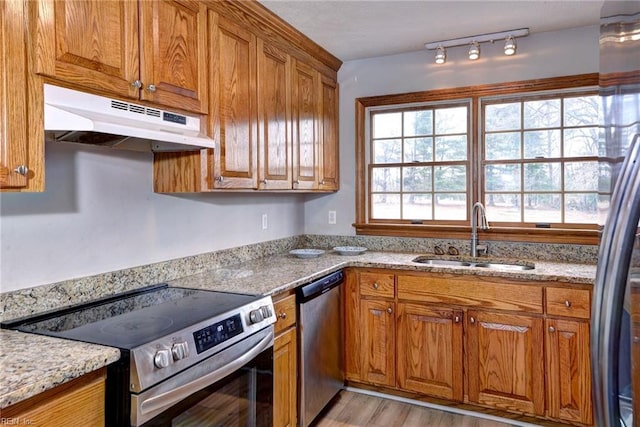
(614, 259)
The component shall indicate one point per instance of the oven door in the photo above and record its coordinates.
(231, 388)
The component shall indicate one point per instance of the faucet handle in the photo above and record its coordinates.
(482, 249)
(453, 250)
(438, 250)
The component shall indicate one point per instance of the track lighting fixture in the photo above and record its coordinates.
(474, 51)
(441, 55)
(509, 46)
(473, 42)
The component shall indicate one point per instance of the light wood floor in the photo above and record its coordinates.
(356, 409)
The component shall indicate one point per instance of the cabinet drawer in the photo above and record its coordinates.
(285, 313)
(377, 285)
(568, 302)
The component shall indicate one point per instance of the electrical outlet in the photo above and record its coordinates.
(332, 217)
(265, 222)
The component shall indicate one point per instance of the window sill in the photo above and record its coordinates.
(537, 235)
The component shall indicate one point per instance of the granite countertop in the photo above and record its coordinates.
(31, 364)
(272, 275)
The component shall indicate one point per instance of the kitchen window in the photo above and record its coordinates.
(527, 150)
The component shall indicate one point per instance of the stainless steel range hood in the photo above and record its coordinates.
(72, 116)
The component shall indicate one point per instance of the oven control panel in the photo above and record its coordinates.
(217, 333)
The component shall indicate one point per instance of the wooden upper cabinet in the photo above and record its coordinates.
(173, 53)
(91, 43)
(274, 117)
(329, 152)
(306, 138)
(151, 50)
(506, 361)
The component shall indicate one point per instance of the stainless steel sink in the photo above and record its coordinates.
(501, 266)
(457, 263)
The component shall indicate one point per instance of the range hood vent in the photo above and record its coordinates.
(72, 116)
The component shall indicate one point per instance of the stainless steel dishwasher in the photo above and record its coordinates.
(320, 338)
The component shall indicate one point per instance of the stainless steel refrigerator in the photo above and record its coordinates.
(615, 330)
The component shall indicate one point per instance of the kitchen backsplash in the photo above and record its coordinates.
(29, 301)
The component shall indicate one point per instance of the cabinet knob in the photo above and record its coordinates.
(456, 319)
(137, 84)
(376, 286)
(472, 320)
(151, 88)
(552, 329)
(264, 181)
(567, 303)
(220, 178)
(322, 182)
(389, 310)
(296, 182)
(22, 170)
(282, 315)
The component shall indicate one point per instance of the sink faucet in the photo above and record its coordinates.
(477, 210)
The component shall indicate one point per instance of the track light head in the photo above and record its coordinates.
(509, 46)
(474, 51)
(441, 55)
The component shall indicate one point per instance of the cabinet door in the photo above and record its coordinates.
(378, 343)
(284, 373)
(173, 53)
(329, 152)
(233, 105)
(92, 43)
(274, 113)
(430, 351)
(505, 361)
(568, 370)
(305, 126)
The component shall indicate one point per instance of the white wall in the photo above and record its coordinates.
(541, 55)
(99, 214)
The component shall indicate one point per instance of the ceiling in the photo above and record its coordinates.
(364, 29)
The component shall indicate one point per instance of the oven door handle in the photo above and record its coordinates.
(170, 398)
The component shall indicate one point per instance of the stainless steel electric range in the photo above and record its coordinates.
(188, 357)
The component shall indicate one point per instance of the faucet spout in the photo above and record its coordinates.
(477, 212)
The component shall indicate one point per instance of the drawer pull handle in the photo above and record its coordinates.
(282, 315)
(389, 310)
(567, 303)
(137, 84)
(552, 329)
(151, 88)
(472, 320)
(376, 286)
(456, 319)
(22, 170)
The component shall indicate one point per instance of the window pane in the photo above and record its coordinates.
(387, 151)
(418, 150)
(387, 125)
(502, 117)
(581, 208)
(385, 206)
(416, 178)
(418, 123)
(451, 206)
(503, 207)
(542, 114)
(542, 177)
(581, 111)
(542, 144)
(581, 142)
(450, 148)
(502, 146)
(386, 179)
(581, 176)
(502, 178)
(542, 208)
(450, 178)
(417, 206)
(451, 120)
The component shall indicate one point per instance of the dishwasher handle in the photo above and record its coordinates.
(318, 287)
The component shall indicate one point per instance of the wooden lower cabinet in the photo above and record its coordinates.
(505, 361)
(285, 365)
(378, 343)
(431, 359)
(77, 403)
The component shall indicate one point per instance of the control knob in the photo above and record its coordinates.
(258, 315)
(180, 350)
(162, 358)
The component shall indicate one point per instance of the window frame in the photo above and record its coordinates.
(511, 232)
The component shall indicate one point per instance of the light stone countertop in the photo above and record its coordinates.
(31, 364)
